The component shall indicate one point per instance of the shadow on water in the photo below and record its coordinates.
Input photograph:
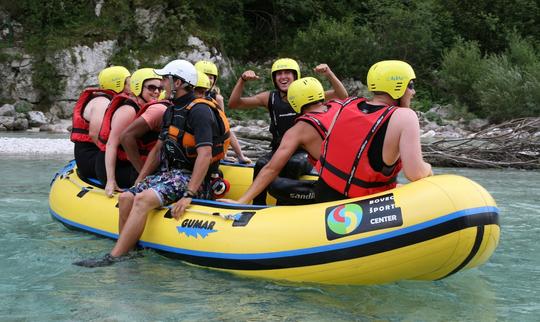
(38, 281)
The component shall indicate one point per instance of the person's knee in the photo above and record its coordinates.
(125, 198)
(146, 200)
(125, 201)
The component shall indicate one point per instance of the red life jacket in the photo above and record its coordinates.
(344, 163)
(80, 126)
(321, 121)
(149, 139)
(118, 101)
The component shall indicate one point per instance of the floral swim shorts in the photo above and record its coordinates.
(169, 186)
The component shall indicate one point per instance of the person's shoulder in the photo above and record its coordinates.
(405, 113)
(299, 128)
(100, 99)
(158, 107)
(404, 117)
(200, 109)
(202, 104)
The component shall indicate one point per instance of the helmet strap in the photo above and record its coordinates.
(173, 88)
(141, 97)
(184, 83)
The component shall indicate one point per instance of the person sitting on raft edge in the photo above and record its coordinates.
(284, 71)
(306, 96)
(193, 139)
(372, 140)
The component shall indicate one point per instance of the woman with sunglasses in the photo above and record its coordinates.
(141, 135)
(113, 166)
(371, 140)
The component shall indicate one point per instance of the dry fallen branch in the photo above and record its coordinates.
(513, 144)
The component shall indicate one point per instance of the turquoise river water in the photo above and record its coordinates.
(39, 283)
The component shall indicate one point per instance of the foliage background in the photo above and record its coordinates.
(480, 56)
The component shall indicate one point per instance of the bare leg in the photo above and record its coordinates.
(134, 226)
(125, 203)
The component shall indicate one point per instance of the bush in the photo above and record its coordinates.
(510, 87)
(23, 107)
(461, 67)
(348, 49)
(47, 81)
(498, 87)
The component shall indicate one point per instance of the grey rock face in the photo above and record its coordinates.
(7, 110)
(36, 118)
(79, 66)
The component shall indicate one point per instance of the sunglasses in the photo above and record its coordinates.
(153, 88)
(410, 86)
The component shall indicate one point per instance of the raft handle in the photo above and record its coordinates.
(240, 219)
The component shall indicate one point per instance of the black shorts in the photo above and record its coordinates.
(325, 193)
(85, 156)
(125, 172)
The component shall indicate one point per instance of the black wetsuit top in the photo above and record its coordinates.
(282, 117)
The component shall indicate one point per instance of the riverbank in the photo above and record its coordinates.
(445, 142)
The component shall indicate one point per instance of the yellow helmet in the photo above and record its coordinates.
(203, 81)
(138, 78)
(207, 67)
(162, 95)
(285, 64)
(304, 91)
(391, 77)
(113, 78)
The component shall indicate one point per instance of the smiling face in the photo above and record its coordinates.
(151, 89)
(284, 78)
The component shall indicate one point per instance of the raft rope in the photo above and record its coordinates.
(85, 189)
(210, 213)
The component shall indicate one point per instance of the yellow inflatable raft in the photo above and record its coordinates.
(425, 230)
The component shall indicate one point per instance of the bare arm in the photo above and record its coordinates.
(410, 149)
(202, 163)
(270, 171)
(99, 106)
(129, 137)
(221, 103)
(338, 90)
(238, 150)
(122, 117)
(152, 162)
(237, 101)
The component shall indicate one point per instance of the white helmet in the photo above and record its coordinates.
(181, 69)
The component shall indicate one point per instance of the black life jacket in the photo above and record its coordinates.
(282, 117)
(180, 145)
